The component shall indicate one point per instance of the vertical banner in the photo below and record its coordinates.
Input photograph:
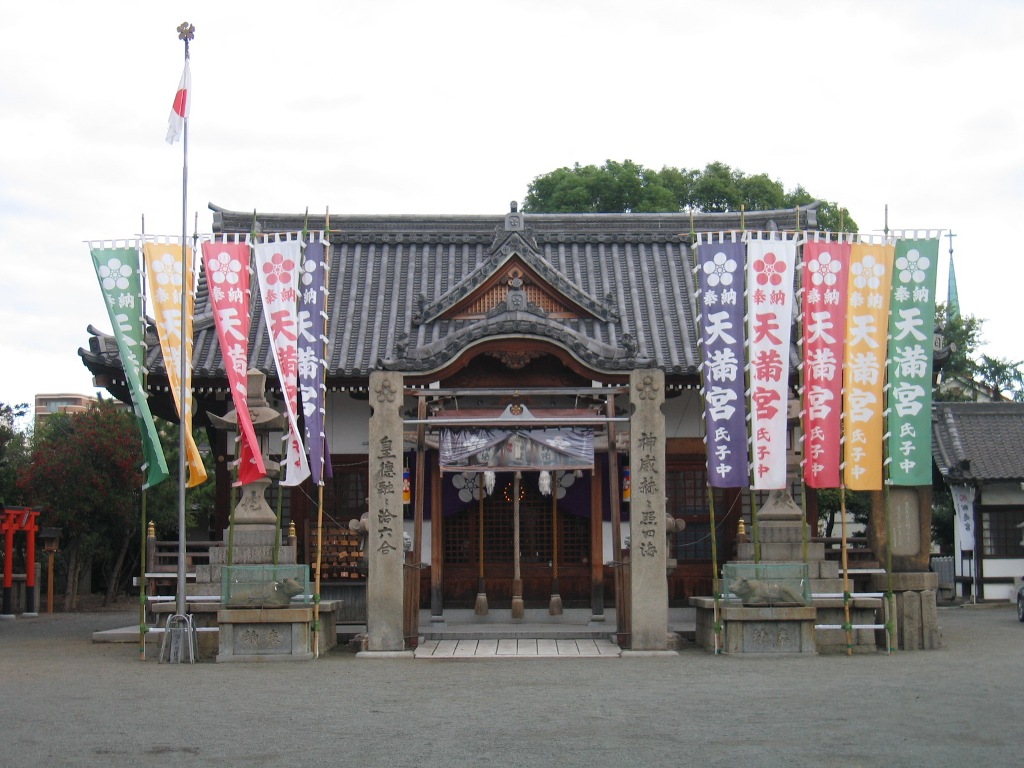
(825, 272)
(963, 508)
(720, 281)
(227, 279)
(277, 268)
(117, 269)
(867, 317)
(163, 273)
(770, 268)
(911, 343)
(312, 361)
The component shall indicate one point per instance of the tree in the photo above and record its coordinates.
(1001, 377)
(85, 475)
(14, 447)
(858, 504)
(628, 187)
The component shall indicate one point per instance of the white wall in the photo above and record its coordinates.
(683, 414)
(348, 423)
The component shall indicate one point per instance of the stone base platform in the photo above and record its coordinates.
(206, 615)
(765, 630)
(265, 634)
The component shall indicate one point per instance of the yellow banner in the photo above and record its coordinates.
(867, 325)
(164, 275)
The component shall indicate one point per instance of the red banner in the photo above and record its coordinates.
(825, 274)
(227, 276)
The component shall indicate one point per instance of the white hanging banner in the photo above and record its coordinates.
(963, 508)
(277, 268)
(770, 269)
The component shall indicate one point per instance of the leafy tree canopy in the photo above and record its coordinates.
(628, 187)
(963, 334)
(14, 447)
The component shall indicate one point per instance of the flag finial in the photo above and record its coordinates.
(186, 31)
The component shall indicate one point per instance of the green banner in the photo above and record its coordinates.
(911, 344)
(117, 269)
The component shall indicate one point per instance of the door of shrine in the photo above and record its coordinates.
(550, 531)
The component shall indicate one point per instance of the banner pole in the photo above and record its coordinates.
(186, 33)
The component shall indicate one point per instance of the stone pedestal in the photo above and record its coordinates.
(916, 614)
(265, 634)
(768, 630)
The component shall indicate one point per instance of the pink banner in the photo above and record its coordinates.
(825, 273)
(227, 277)
(770, 266)
(277, 267)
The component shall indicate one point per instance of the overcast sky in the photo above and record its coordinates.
(413, 107)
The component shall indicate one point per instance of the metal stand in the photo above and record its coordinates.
(179, 637)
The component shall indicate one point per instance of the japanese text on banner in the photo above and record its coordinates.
(911, 340)
(770, 267)
(864, 372)
(720, 276)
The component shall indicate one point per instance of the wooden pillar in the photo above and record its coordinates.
(436, 549)
(596, 548)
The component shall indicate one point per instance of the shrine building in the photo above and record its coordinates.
(539, 331)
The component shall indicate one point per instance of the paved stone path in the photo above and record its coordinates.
(66, 701)
(505, 648)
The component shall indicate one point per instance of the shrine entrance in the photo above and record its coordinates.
(554, 538)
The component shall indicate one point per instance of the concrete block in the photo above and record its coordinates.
(931, 634)
(908, 604)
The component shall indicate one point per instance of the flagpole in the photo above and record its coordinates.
(185, 33)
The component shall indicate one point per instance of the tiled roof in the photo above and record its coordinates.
(979, 441)
(395, 281)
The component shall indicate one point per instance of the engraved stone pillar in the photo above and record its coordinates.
(648, 585)
(910, 510)
(384, 580)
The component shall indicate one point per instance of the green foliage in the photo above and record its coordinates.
(995, 375)
(942, 516)
(628, 187)
(14, 446)
(84, 473)
(162, 499)
(858, 504)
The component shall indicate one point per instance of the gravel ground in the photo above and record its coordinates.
(67, 701)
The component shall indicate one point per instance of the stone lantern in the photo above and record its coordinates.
(252, 507)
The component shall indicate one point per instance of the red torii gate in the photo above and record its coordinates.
(19, 519)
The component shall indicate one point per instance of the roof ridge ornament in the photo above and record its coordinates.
(513, 219)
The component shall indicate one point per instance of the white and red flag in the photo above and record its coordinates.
(179, 110)
(277, 267)
(770, 263)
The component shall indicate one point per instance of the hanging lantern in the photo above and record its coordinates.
(544, 483)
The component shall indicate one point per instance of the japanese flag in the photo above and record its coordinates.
(179, 110)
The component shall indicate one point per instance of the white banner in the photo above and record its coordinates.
(963, 508)
(770, 268)
(277, 267)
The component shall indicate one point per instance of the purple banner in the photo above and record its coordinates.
(312, 364)
(720, 278)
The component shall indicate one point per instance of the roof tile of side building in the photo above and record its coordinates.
(979, 441)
